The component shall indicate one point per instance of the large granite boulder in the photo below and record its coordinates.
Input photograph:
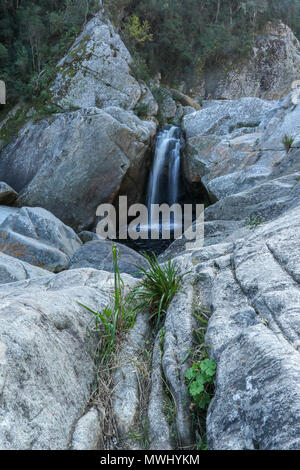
(96, 71)
(97, 254)
(72, 162)
(234, 145)
(223, 117)
(47, 359)
(268, 72)
(36, 236)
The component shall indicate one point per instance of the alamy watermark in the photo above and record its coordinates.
(161, 222)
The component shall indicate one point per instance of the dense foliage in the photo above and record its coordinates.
(189, 35)
(178, 38)
(34, 34)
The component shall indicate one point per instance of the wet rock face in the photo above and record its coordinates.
(267, 73)
(75, 161)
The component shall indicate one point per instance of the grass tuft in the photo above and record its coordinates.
(157, 288)
(287, 142)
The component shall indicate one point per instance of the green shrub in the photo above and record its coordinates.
(157, 289)
(160, 94)
(200, 378)
(254, 220)
(138, 31)
(139, 67)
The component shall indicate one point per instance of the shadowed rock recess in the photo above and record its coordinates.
(244, 153)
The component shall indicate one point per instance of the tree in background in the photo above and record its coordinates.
(191, 35)
(178, 38)
(34, 35)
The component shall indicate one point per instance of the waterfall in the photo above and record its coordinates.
(163, 187)
(164, 176)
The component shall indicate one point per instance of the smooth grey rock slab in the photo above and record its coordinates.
(231, 149)
(87, 236)
(179, 326)
(74, 161)
(36, 236)
(218, 118)
(254, 336)
(5, 211)
(98, 254)
(126, 394)
(159, 430)
(46, 358)
(13, 270)
(96, 70)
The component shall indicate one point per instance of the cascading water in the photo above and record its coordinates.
(163, 187)
(164, 176)
(166, 186)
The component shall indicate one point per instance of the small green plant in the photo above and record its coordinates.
(142, 109)
(157, 289)
(254, 221)
(116, 319)
(137, 30)
(200, 379)
(287, 142)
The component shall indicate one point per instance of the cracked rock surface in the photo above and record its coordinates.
(249, 273)
(46, 359)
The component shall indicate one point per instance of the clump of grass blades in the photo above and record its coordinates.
(157, 288)
(116, 319)
(288, 142)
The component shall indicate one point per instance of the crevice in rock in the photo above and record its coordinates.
(282, 267)
(264, 321)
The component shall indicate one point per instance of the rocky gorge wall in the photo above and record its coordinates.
(267, 73)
